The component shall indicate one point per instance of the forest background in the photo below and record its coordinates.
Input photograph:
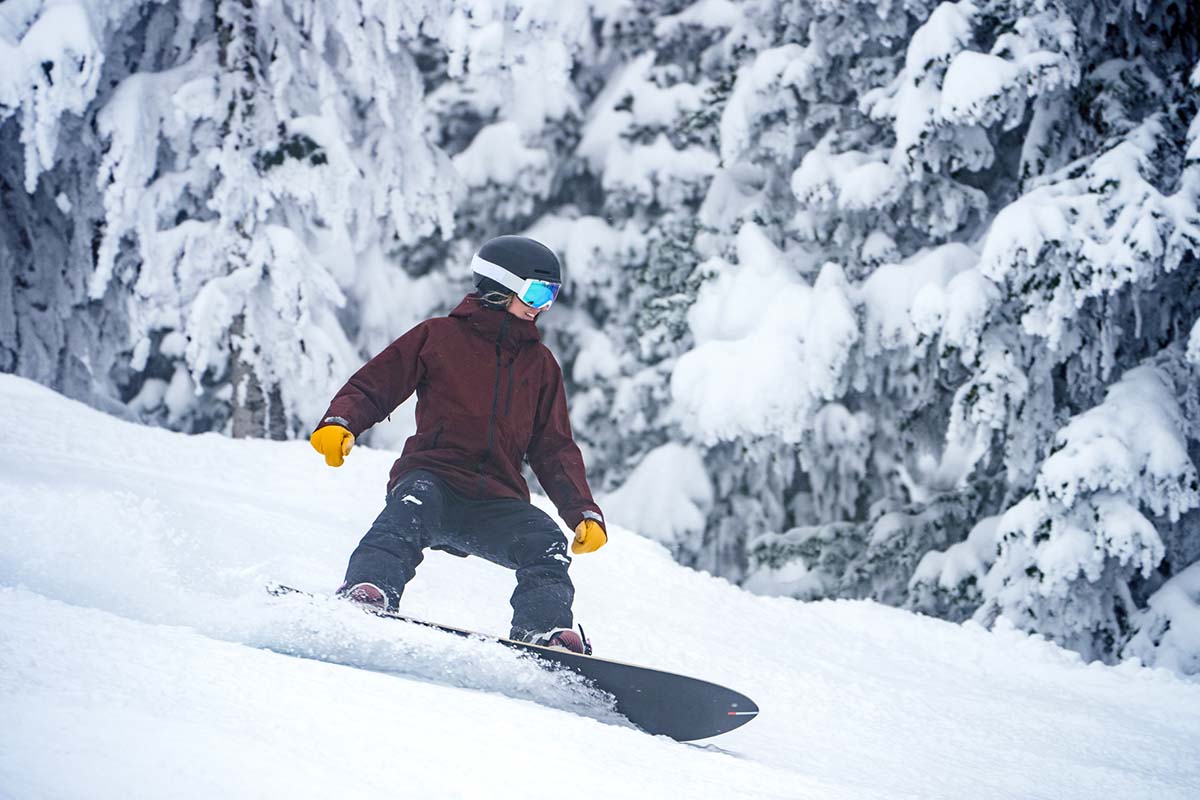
(886, 299)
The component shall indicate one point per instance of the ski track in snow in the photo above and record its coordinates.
(141, 657)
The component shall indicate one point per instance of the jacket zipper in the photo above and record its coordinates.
(491, 434)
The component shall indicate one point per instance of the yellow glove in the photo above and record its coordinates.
(333, 442)
(589, 537)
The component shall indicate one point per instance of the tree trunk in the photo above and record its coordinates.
(257, 413)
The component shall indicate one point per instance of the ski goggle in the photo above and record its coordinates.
(532, 292)
(539, 294)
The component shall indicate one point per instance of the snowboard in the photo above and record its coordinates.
(658, 702)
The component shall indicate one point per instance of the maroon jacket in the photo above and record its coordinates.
(489, 395)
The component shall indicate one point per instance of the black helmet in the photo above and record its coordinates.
(521, 257)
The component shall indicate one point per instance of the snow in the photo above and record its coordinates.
(1020, 229)
(654, 106)
(969, 558)
(51, 69)
(589, 245)
(598, 359)
(658, 170)
(668, 494)
(945, 33)
(139, 656)
(972, 81)
(879, 247)
(768, 76)
(1171, 637)
(1087, 524)
(704, 13)
(605, 123)
(792, 579)
(913, 297)
(632, 101)
(968, 298)
(1133, 441)
(748, 320)
(497, 155)
(870, 185)
(822, 175)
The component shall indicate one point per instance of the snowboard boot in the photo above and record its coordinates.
(367, 595)
(559, 639)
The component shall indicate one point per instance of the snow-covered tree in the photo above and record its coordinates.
(54, 56)
(1022, 213)
(864, 298)
(1070, 550)
(285, 148)
(261, 169)
(624, 218)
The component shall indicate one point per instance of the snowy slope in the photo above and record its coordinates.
(139, 656)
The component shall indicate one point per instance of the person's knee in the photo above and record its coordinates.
(418, 491)
(413, 509)
(542, 549)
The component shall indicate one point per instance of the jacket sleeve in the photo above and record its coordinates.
(383, 383)
(554, 456)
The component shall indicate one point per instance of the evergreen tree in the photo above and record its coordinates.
(1050, 139)
(864, 298)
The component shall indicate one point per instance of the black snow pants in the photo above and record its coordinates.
(423, 512)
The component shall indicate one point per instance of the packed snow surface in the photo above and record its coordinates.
(140, 656)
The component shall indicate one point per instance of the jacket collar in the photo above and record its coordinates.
(487, 322)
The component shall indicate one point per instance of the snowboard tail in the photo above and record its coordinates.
(658, 702)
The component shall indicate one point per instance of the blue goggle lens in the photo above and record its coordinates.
(540, 294)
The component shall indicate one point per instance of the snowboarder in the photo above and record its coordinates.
(489, 396)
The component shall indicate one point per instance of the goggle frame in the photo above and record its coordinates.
(531, 291)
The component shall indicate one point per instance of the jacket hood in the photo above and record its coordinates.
(487, 322)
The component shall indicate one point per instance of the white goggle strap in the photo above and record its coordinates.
(498, 273)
